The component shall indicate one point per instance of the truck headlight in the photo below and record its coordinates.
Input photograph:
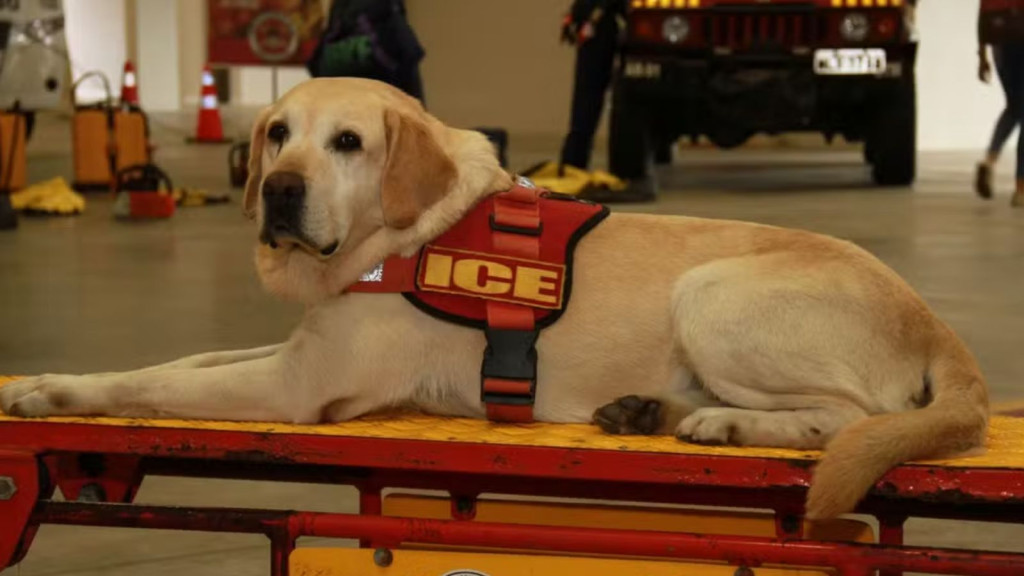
(675, 29)
(855, 27)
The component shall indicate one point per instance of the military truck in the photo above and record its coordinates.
(727, 70)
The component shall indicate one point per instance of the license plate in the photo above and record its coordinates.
(849, 62)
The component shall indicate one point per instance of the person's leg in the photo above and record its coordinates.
(594, 61)
(1005, 125)
(1018, 194)
(1009, 80)
(1013, 77)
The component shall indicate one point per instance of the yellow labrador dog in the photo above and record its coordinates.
(716, 331)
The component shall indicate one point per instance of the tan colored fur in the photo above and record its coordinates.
(418, 172)
(745, 333)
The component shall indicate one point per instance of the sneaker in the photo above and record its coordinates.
(983, 181)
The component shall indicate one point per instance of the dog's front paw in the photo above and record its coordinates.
(710, 427)
(630, 415)
(38, 397)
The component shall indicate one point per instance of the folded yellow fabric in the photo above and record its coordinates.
(570, 180)
(607, 180)
(53, 196)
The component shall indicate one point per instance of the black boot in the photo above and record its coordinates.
(8, 217)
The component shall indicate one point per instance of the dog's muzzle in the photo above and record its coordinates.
(284, 202)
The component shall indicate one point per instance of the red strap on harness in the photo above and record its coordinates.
(515, 231)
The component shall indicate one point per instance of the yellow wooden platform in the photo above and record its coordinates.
(354, 562)
(1004, 448)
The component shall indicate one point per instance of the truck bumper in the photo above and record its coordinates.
(730, 97)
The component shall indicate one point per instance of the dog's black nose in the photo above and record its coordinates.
(284, 196)
(280, 185)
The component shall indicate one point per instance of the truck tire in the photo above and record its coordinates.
(869, 152)
(663, 153)
(629, 139)
(892, 144)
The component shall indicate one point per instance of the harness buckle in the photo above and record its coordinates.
(509, 370)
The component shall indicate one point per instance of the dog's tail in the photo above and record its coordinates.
(955, 421)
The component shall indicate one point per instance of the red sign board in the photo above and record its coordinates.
(263, 32)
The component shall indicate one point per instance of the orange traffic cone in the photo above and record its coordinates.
(209, 129)
(129, 86)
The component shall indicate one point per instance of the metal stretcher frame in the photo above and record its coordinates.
(100, 464)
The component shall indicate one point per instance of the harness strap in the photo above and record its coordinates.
(509, 372)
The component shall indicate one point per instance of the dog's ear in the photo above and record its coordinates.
(417, 172)
(252, 183)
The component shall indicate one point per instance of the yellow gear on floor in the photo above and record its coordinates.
(53, 196)
(571, 180)
(189, 197)
(607, 180)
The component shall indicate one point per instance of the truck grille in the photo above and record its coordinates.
(764, 29)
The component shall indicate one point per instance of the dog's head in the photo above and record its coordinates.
(334, 162)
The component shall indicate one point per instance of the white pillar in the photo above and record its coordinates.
(96, 41)
(156, 25)
(956, 111)
(255, 83)
(191, 44)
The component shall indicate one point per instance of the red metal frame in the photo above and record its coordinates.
(41, 455)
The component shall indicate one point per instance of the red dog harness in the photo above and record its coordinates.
(505, 268)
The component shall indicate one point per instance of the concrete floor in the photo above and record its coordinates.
(90, 294)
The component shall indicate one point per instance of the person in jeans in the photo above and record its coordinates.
(1009, 65)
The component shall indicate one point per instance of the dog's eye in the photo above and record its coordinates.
(277, 134)
(347, 141)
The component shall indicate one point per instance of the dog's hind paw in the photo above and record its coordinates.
(712, 427)
(630, 415)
